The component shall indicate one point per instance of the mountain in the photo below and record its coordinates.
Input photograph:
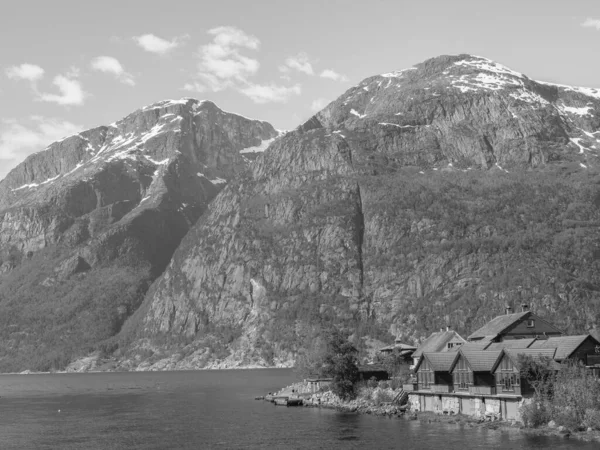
(419, 199)
(88, 223)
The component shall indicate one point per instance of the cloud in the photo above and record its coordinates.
(194, 86)
(154, 44)
(300, 62)
(224, 64)
(221, 63)
(318, 104)
(71, 92)
(30, 72)
(18, 140)
(270, 93)
(591, 23)
(333, 75)
(110, 65)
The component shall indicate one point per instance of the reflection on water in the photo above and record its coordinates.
(209, 409)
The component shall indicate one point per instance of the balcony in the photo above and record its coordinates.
(482, 390)
(441, 388)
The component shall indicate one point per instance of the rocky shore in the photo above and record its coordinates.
(369, 401)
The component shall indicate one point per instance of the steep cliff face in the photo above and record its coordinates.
(101, 213)
(420, 198)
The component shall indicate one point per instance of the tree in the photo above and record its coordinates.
(341, 364)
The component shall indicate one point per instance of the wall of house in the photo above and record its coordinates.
(520, 329)
(588, 347)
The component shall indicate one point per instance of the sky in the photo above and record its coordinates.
(66, 65)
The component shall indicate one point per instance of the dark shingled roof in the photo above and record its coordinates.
(441, 361)
(511, 343)
(436, 342)
(564, 345)
(497, 325)
(477, 345)
(481, 360)
(535, 353)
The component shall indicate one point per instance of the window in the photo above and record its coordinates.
(530, 323)
(462, 377)
(507, 377)
(450, 345)
(425, 376)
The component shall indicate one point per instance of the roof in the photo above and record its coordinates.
(477, 345)
(439, 361)
(564, 345)
(535, 353)
(511, 343)
(498, 324)
(436, 342)
(402, 346)
(481, 360)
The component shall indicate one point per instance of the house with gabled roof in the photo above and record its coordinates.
(441, 341)
(582, 348)
(521, 325)
(507, 371)
(433, 371)
(472, 371)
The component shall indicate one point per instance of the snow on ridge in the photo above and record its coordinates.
(583, 111)
(218, 181)
(575, 141)
(590, 92)
(357, 114)
(397, 73)
(33, 185)
(259, 148)
(488, 65)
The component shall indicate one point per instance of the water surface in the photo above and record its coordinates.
(210, 409)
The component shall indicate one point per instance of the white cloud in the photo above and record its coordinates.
(110, 65)
(333, 75)
(270, 93)
(18, 140)
(221, 64)
(154, 44)
(318, 104)
(194, 86)
(71, 92)
(300, 62)
(30, 72)
(592, 23)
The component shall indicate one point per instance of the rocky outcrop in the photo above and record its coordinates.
(117, 196)
(418, 199)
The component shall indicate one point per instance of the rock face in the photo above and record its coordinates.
(422, 198)
(102, 212)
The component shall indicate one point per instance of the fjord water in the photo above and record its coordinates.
(206, 410)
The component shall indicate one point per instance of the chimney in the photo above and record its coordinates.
(524, 307)
(508, 309)
(447, 328)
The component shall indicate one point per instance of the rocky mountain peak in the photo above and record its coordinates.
(470, 111)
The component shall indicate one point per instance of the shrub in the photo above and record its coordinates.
(535, 414)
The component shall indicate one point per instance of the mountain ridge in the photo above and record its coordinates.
(374, 216)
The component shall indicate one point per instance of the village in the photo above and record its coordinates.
(479, 376)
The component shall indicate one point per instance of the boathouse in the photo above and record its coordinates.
(507, 371)
(472, 371)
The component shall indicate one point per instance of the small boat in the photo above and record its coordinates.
(269, 397)
(260, 397)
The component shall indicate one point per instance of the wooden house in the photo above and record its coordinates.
(441, 341)
(583, 348)
(521, 325)
(472, 371)
(433, 371)
(507, 371)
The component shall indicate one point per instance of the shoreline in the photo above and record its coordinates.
(328, 400)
